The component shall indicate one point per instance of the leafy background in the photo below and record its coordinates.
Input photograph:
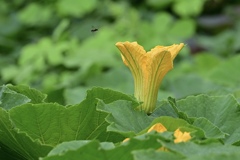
(48, 45)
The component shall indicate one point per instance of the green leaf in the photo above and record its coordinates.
(155, 155)
(79, 150)
(46, 122)
(104, 151)
(159, 4)
(190, 149)
(222, 111)
(75, 8)
(164, 109)
(190, 84)
(161, 22)
(123, 82)
(53, 123)
(44, 49)
(184, 28)
(19, 143)
(218, 156)
(210, 130)
(186, 8)
(108, 96)
(226, 73)
(8, 154)
(59, 30)
(205, 62)
(75, 95)
(74, 145)
(170, 123)
(101, 54)
(180, 114)
(124, 118)
(9, 72)
(214, 43)
(33, 94)
(35, 14)
(124, 151)
(10, 98)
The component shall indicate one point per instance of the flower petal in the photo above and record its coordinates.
(131, 52)
(157, 127)
(148, 69)
(181, 136)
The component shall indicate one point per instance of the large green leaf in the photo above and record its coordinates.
(104, 151)
(10, 98)
(170, 108)
(164, 109)
(53, 123)
(155, 155)
(191, 150)
(82, 151)
(144, 147)
(33, 94)
(18, 143)
(124, 118)
(222, 111)
(48, 124)
(214, 156)
(210, 130)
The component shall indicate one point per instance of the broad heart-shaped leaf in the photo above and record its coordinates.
(152, 154)
(74, 145)
(191, 150)
(124, 118)
(17, 143)
(10, 98)
(33, 94)
(53, 123)
(218, 156)
(108, 96)
(93, 150)
(222, 111)
(169, 108)
(164, 109)
(210, 130)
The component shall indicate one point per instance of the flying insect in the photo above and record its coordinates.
(94, 30)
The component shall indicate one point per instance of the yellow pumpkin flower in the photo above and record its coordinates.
(157, 127)
(178, 134)
(148, 69)
(181, 136)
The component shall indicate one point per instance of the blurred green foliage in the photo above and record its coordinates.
(49, 44)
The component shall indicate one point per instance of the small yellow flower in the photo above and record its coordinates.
(157, 127)
(162, 149)
(181, 136)
(126, 139)
(148, 69)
